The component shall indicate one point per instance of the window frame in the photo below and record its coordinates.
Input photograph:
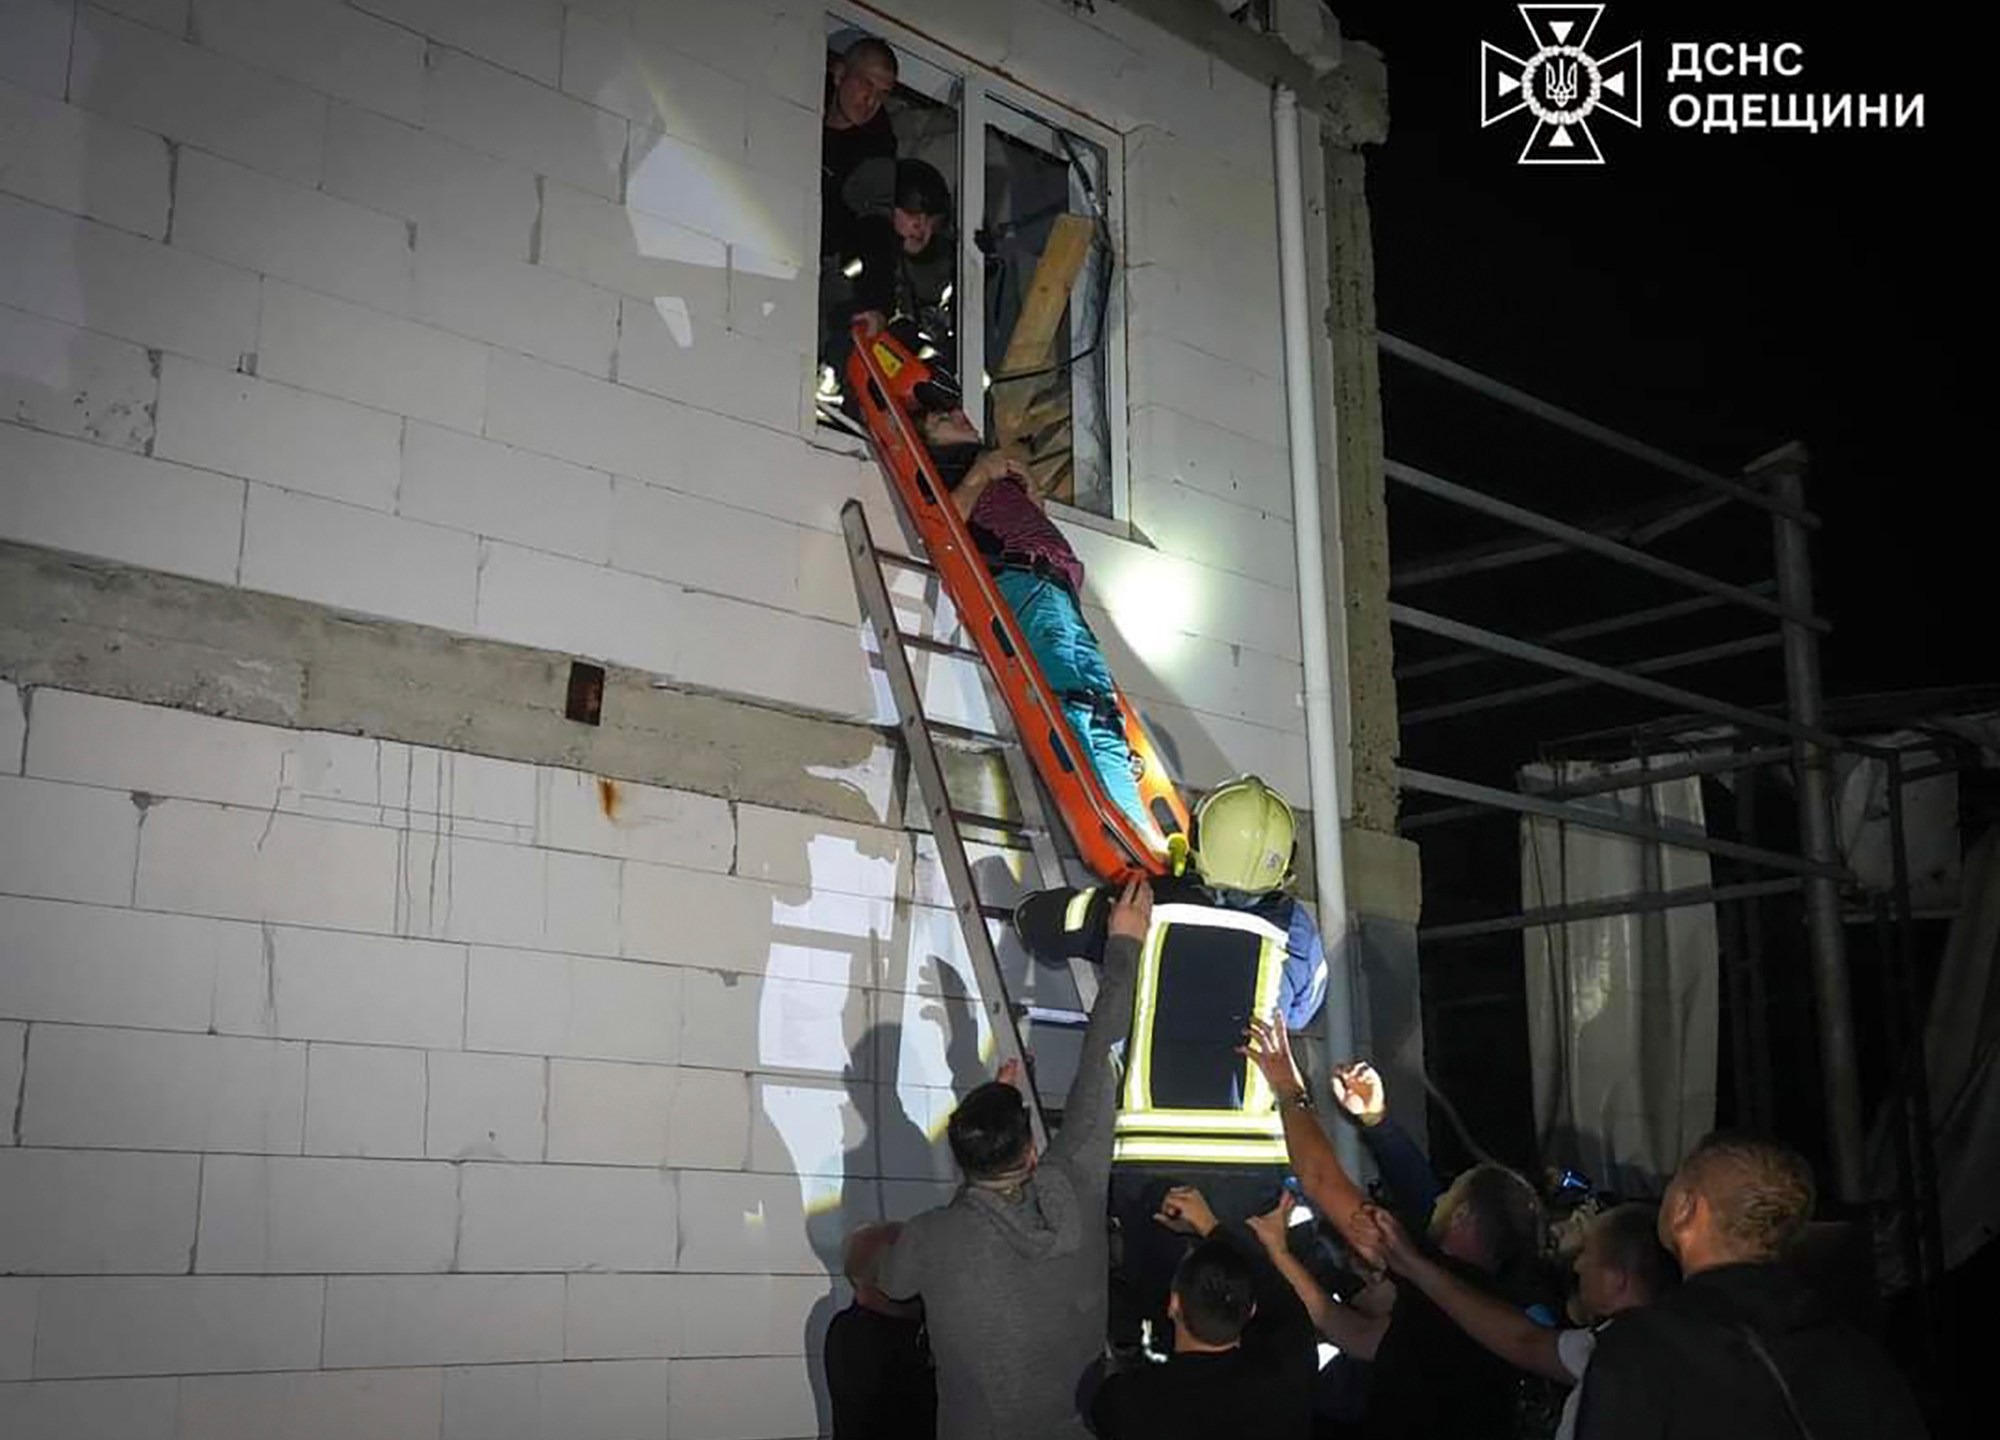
(978, 86)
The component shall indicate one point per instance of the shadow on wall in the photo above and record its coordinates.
(859, 990)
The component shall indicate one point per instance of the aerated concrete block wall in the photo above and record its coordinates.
(380, 1061)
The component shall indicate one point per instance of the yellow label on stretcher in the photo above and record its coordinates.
(891, 363)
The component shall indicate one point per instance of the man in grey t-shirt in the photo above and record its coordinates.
(1013, 1272)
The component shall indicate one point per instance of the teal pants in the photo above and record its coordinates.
(1074, 667)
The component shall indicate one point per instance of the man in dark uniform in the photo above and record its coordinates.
(855, 136)
(878, 1368)
(1229, 943)
(908, 263)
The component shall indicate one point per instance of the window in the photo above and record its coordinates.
(1009, 290)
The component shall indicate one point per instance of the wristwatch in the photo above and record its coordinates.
(1300, 1099)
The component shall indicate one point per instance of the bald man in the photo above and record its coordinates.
(1742, 1350)
(878, 1368)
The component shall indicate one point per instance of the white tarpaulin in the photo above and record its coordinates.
(1930, 829)
(1962, 1063)
(1622, 1011)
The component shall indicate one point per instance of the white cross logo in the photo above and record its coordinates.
(1560, 84)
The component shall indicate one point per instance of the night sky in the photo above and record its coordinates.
(1715, 295)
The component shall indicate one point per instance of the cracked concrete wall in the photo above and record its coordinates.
(1383, 869)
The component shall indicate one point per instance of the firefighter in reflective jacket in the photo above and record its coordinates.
(1228, 941)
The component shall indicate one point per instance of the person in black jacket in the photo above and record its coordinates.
(1742, 1350)
(878, 1367)
(906, 262)
(855, 131)
(857, 157)
(1243, 1357)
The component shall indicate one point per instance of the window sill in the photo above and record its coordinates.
(1091, 520)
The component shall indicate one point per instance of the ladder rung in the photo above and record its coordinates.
(939, 647)
(988, 822)
(985, 739)
(905, 562)
(1061, 1019)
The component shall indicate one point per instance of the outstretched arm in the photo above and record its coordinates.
(1500, 1327)
(1091, 1112)
(1326, 1183)
(1359, 1091)
(1059, 925)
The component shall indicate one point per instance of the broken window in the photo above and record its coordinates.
(1011, 294)
(1048, 266)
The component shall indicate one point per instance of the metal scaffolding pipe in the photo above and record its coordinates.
(1638, 903)
(1917, 1073)
(1465, 496)
(1520, 694)
(1640, 528)
(1727, 762)
(1425, 783)
(1589, 630)
(1763, 1086)
(1724, 763)
(1450, 629)
(1840, 1076)
(1590, 430)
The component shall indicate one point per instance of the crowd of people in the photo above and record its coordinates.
(994, 1315)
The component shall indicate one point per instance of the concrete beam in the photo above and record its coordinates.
(110, 629)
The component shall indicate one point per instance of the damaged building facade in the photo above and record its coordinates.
(387, 1052)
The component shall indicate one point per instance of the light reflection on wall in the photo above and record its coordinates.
(1154, 602)
(885, 1027)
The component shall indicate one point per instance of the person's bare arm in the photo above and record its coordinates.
(1325, 1181)
(1495, 1324)
(1353, 1331)
(990, 466)
(1273, 1233)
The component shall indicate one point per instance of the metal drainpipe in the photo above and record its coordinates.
(1322, 756)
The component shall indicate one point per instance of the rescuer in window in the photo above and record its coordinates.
(907, 262)
(855, 134)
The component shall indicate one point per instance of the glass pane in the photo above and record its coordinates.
(889, 206)
(1049, 268)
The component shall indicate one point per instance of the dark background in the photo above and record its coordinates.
(1715, 295)
(1721, 294)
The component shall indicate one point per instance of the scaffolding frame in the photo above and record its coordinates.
(1796, 735)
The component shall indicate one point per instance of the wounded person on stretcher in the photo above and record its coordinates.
(1041, 579)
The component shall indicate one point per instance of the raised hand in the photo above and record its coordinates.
(1358, 1090)
(1186, 1210)
(1132, 915)
(1269, 1047)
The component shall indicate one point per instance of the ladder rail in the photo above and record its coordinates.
(1042, 840)
(883, 375)
(873, 592)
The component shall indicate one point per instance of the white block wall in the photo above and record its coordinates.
(497, 317)
(358, 1088)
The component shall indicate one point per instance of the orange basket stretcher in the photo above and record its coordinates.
(883, 375)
